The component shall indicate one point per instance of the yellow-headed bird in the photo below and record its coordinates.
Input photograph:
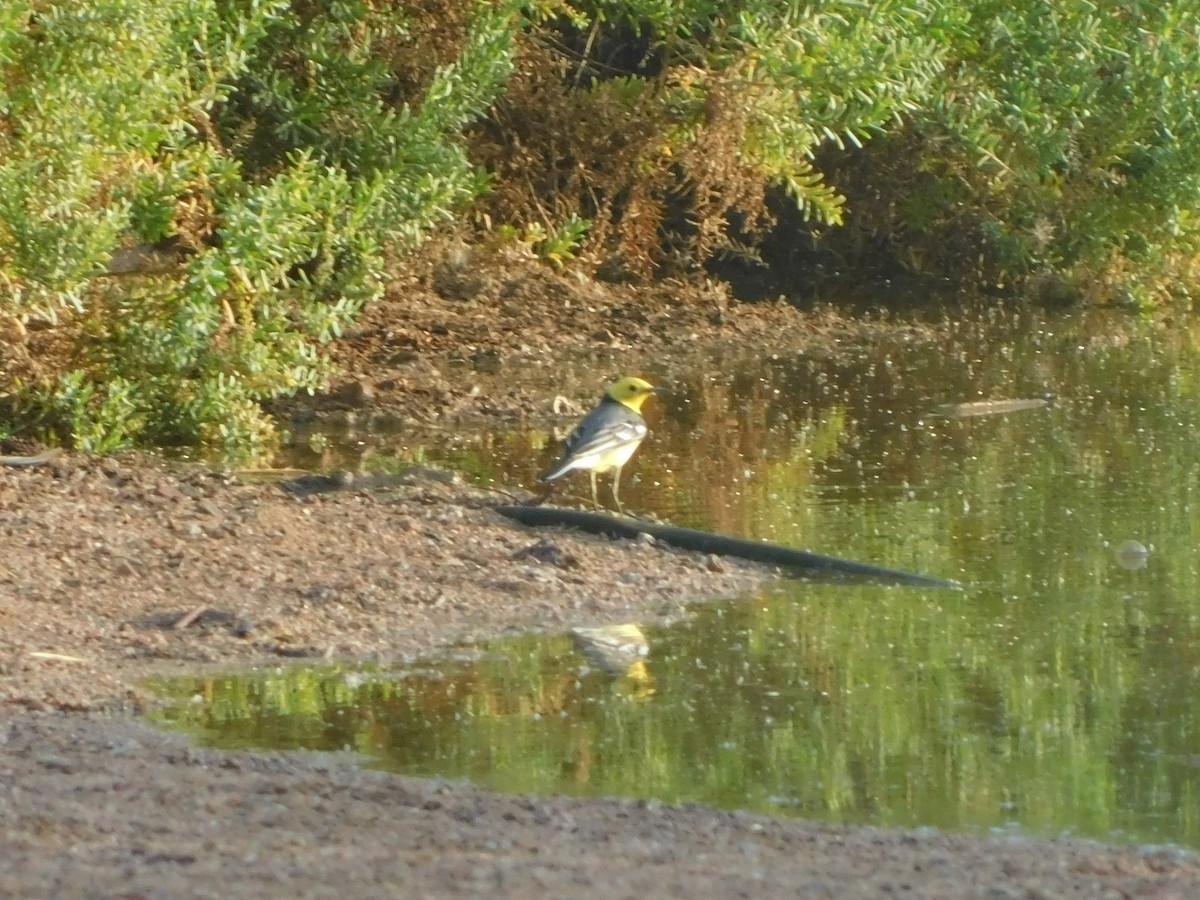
(607, 436)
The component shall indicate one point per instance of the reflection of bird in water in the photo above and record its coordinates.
(639, 680)
(613, 648)
(618, 650)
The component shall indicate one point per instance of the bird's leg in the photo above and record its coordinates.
(595, 498)
(616, 487)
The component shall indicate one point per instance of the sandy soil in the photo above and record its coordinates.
(116, 569)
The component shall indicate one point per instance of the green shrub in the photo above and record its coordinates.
(1026, 142)
(1060, 152)
(677, 115)
(261, 155)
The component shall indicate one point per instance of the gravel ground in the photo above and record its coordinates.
(93, 807)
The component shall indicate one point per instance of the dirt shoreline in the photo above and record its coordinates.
(117, 569)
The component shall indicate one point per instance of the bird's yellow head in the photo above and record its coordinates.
(631, 391)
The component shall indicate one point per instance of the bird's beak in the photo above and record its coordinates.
(660, 390)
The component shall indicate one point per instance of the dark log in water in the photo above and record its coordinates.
(800, 562)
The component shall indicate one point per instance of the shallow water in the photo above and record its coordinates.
(1058, 694)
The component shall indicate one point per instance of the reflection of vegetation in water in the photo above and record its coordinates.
(504, 701)
(753, 451)
(857, 703)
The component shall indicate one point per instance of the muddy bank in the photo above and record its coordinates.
(118, 569)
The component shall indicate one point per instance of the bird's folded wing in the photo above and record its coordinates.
(590, 446)
(608, 437)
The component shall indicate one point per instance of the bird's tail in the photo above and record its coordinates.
(558, 470)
